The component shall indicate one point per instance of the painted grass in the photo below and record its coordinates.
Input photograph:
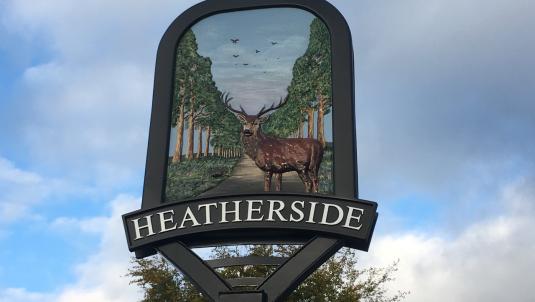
(190, 178)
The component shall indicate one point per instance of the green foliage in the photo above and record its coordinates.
(311, 78)
(161, 282)
(186, 55)
(338, 280)
(226, 127)
(286, 120)
(194, 81)
(187, 179)
(319, 52)
(326, 171)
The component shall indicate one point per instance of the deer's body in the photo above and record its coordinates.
(276, 156)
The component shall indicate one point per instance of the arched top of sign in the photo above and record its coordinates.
(236, 85)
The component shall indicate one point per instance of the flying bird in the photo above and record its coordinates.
(257, 51)
(235, 41)
(245, 64)
(235, 56)
(274, 43)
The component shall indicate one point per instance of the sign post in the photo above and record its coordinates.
(252, 141)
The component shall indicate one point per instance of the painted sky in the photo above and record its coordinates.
(268, 72)
(445, 122)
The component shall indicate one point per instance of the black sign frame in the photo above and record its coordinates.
(317, 247)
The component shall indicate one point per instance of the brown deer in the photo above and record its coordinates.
(275, 155)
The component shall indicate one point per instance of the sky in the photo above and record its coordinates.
(268, 72)
(445, 106)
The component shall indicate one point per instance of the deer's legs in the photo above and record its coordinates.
(315, 181)
(278, 181)
(305, 178)
(267, 181)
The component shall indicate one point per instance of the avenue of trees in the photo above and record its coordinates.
(198, 109)
(338, 280)
(309, 93)
(198, 114)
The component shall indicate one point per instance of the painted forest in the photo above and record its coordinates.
(208, 135)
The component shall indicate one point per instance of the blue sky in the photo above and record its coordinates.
(445, 123)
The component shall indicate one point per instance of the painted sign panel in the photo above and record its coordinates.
(253, 118)
(251, 108)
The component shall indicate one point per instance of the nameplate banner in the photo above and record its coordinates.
(272, 217)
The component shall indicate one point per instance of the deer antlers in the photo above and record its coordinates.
(225, 99)
(273, 107)
(226, 102)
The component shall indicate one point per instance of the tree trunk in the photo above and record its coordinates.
(301, 132)
(207, 146)
(191, 128)
(177, 156)
(199, 143)
(321, 112)
(310, 122)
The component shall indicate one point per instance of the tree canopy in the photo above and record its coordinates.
(338, 280)
(196, 103)
(309, 90)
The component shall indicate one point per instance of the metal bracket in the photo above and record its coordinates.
(275, 287)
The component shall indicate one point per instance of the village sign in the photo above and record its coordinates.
(252, 141)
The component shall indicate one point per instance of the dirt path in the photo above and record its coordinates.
(248, 178)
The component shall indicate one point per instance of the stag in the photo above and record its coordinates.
(275, 155)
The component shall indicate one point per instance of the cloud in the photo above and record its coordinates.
(22, 295)
(490, 260)
(444, 93)
(101, 277)
(88, 96)
(20, 190)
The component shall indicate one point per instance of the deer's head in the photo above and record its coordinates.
(251, 123)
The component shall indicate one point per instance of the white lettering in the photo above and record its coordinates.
(277, 210)
(251, 209)
(138, 229)
(164, 220)
(236, 211)
(312, 211)
(298, 211)
(350, 217)
(207, 211)
(189, 217)
(326, 207)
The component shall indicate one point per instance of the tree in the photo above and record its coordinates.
(186, 53)
(225, 127)
(319, 52)
(309, 90)
(194, 96)
(161, 282)
(336, 280)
